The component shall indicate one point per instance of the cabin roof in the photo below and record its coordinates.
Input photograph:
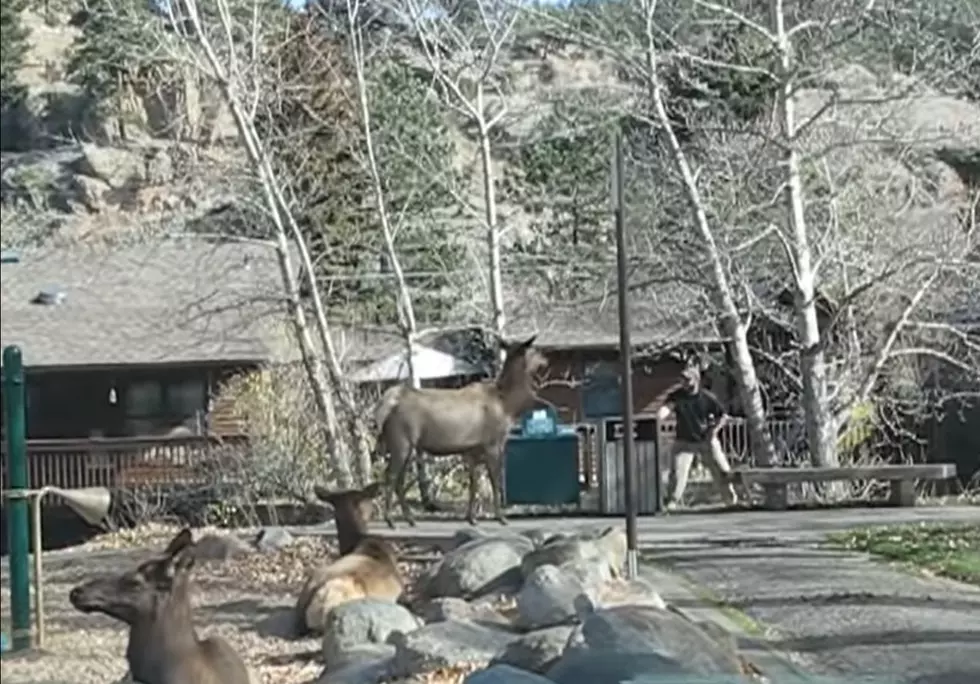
(166, 300)
(663, 316)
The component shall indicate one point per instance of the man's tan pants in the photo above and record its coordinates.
(682, 456)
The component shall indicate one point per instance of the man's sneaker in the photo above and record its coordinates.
(670, 506)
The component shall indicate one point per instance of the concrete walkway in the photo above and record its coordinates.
(759, 526)
(844, 613)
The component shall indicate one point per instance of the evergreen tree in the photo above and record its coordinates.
(13, 37)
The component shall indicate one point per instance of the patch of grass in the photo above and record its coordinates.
(948, 550)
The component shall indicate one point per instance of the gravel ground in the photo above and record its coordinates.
(247, 601)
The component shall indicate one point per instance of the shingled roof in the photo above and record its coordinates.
(167, 300)
(660, 317)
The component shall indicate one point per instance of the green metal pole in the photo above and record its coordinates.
(17, 506)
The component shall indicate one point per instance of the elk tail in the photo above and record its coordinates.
(386, 404)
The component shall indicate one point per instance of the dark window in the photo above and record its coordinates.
(152, 406)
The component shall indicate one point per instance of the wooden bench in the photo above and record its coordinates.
(901, 478)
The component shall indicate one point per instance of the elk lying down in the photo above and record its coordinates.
(154, 600)
(367, 567)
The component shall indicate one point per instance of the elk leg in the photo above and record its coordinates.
(471, 467)
(400, 489)
(495, 462)
(393, 457)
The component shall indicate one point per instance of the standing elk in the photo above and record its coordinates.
(474, 420)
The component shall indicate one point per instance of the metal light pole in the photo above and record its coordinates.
(625, 354)
(17, 508)
(89, 503)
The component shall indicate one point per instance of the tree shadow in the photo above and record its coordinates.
(280, 624)
(861, 599)
(891, 638)
(949, 677)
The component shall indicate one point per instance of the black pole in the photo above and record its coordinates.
(626, 371)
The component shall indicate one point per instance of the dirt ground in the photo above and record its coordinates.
(247, 601)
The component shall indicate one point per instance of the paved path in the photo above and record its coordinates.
(846, 614)
(785, 526)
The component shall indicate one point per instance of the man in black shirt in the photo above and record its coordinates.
(699, 417)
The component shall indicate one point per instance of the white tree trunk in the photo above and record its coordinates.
(733, 326)
(403, 298)
(497, 317)
(820, 430)
(283, 224)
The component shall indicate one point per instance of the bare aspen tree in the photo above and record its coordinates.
(760, 207)
(849, 237)
(235, 86)
(813, 368)
(404, 305)
(465, 61)
(732, 322)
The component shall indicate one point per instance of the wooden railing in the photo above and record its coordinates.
(123, 462)
(734, 440)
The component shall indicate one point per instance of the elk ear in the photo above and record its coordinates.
(183, 540)
(323, 494)
(529, 341)
(183, 561)
(371, 491)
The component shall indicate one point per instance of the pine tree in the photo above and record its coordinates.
(13, 37)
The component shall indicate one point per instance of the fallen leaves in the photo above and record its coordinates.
(950, 550)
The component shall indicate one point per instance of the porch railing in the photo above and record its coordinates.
(123, 462)
(734, 438)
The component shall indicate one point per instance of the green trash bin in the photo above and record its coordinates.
(541, 461)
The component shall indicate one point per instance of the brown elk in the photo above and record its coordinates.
(154, 600)
(367, 567)
(474, 420)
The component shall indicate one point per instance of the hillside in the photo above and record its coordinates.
(168, 159)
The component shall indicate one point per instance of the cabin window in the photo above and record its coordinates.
(152, 406)
(187, 398)
(144, 399)
(600, 392)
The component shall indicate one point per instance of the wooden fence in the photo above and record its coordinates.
(127, 462)
(132, 462)
(734, 440)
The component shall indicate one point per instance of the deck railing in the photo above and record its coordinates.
(734, 439)
(123, 462)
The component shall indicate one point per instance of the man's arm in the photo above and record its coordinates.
(721, 416)
(663, 413)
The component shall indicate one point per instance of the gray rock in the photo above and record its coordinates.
(361, 622)
(220, 547)
(632, 592)
(272, 539)
(549, 597)
(479, 567)
(588, 667)
(623, 640)
(505, 674)
(607, 548)
(445, 644)
(465, 535)
(538, 536)
(116, 166)
(451, 608)
(367, 664)
(536, 651)
(159, 166)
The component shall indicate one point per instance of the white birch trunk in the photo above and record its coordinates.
(818, 420)
(497, 317)
(733, 326)
(283, 224)
(403, 298)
